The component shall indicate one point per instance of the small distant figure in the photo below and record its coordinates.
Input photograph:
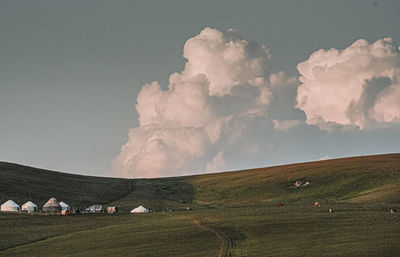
(188, 208)
(316, 204)
(331, 210)
(279, 204)
(302, 182)
(393, 211)
(75, 210)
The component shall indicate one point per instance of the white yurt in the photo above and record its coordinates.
(52, 206)
(29, 207)
(139, 209)
(64, 206)
(10, 205)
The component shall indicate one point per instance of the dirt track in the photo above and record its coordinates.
(226, 241)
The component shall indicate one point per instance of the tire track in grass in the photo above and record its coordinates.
(226, 242)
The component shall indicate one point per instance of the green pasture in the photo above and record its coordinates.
(352, 230)
(233, 213)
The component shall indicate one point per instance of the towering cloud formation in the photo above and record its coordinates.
(355, 86)
(206, 107)
(226, 110)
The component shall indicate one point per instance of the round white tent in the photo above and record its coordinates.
(10, 205)
(52, 206)
(29, 207)
(64, 206)
(139, 209)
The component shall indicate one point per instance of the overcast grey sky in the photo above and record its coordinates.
(70, 71)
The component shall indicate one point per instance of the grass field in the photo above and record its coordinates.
(234, 213)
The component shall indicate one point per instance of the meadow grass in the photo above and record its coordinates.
(353, 229)
(234, 213)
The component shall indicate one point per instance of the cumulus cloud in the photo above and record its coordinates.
(354, 86)
(325, 157)
(207, 107)
(218, 163)
(387, 106)
(226, 59)
(227, 110)
(285, 125)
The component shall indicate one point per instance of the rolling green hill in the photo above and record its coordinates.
(234, 213)
(357, 179)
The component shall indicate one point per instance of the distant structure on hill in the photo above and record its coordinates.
(52, 206)
(29, 207)
(11, 206)
(95, 208)
(140, 209)
(64, 206)
(302, 182)
(112, 209)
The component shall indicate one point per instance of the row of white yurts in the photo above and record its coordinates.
(52, 205)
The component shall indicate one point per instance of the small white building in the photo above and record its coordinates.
(11, 206)
(140, 209)
(29, 207)
(64, 206)
(95, 208)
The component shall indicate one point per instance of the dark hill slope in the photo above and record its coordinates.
(356, 179)
(22, 183)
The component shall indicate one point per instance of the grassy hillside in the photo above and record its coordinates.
(357, 179)
(22, 183)
(235, 213)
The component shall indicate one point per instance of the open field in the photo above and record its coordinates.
(234, 213)
(354, 230)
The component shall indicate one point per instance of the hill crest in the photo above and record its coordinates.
(352, 179)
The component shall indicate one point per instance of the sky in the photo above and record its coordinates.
(166, 88)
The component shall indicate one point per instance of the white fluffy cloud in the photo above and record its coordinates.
(355, 86)
(226, 60)
(285, 125)
(387, 105)
(226, 110)
(218, 163)
(206, 107)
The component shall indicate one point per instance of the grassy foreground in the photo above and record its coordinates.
(352, 230)
(235, 213)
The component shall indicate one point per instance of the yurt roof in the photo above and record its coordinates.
(10, 203)
(52, 202)
(140, 209)
(29, 203)
(63, 204)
